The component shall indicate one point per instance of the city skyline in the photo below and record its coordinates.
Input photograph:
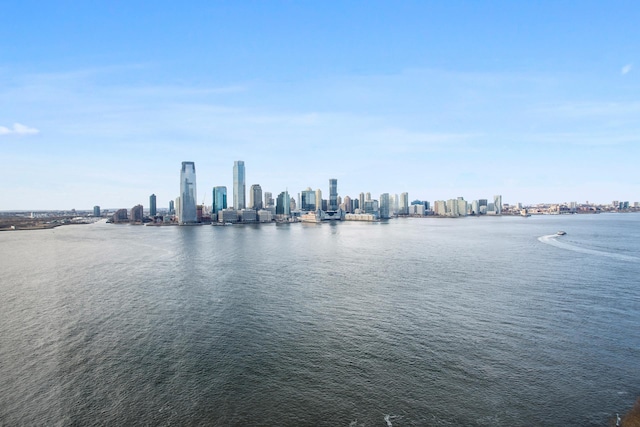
(535, 102)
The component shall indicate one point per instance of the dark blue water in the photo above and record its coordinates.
(414, 322)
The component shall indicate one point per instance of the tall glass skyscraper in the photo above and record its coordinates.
(333, 194)
(239, 185)
(188, 213)
(152, 205)
(384, 205)
(219, 199)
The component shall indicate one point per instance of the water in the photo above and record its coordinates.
(414, 322)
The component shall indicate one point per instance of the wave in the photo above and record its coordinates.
(552, 239)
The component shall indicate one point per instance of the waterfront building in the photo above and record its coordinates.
(319, 201)
(188, 213)
(348, 207)
(440, 207)
(248, 215)
(120, 216)
(136, 213)
(283, 204)
(172, 209)
(384, 206)
(333, 194)
(228, 215)
(265, 215)
(462, 206)
(152, 205)
(360, 217)
(308, 200)
(371, 207)
(96, 211)
(355, 204)
(177, 208)
(219, 199)
(239, 185)
(404, 204)
(361, 201)
(255, 197)
(452, 207)
(417, 209)
(292, 204)
(497, 204)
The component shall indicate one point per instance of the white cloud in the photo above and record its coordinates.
(18, 129)
(626, 69)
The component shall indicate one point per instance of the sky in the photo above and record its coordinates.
(101, 101)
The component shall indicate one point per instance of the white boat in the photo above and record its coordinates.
(561, 233)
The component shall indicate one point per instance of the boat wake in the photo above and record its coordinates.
(552, 239)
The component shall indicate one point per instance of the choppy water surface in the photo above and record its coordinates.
(414, 322)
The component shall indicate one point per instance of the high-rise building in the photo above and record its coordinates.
(319, 201)
(497, 204)
(384, 206)
(152, 205)
(188, 212)
(333, 194)
(219, 199)
(308, 201)
(255, 197)
(172, 207)
(239, 185)
(283, 204)
(361, 201)
(136, 213)
(348, 207)
(404, 204)
(96, 210)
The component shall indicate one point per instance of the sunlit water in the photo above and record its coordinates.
(414, 322)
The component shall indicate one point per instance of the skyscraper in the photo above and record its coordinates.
(187, 211)
(219, 199)
(172, 208)
(361, 202)
(239, 185)
(319, 199)
(333, 194)
(283, 204)
(152, 205)
(255, 197)
(96, 210)
(384, 206)
(497, 204)
(404, 204)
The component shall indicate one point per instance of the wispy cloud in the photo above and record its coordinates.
(18, 129)
(626, 69)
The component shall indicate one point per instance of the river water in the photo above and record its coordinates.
(412, 322)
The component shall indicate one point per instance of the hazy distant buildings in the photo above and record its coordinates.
(239, 185)
(152, 205)
(255, 197)
(96, 211)
(187, 211)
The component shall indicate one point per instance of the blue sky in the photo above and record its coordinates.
(100, 102)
